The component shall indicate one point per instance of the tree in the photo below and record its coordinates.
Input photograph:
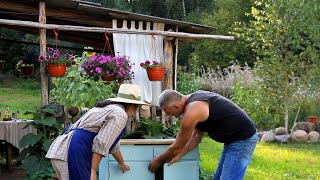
(285, 36)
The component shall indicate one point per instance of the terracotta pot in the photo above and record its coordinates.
(156, 74)
(107, 78)
(27, 71)
(313, 119)
(57, 70)
(1, 66)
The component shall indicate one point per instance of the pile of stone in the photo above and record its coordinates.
(302, 132)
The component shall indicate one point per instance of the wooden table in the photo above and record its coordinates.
(12, 132)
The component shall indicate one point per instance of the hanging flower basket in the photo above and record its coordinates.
(27, 71)
(156, 73)
(57, 70)
(107, 78)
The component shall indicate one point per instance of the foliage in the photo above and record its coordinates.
(22, 64)
(75, 90)
(293, 161)
(148, 64)
(188, 83)
(153, 129)
(213, 53)
(285, 36)
(36, 145)
(2, 61)
(56, 57)
(100, 65)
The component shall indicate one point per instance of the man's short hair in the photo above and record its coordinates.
(168, 97)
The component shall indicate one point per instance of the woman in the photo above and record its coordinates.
(76, 154)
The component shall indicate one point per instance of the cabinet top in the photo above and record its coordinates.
(147, 141)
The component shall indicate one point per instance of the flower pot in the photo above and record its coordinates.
(1, 66)
(57, 70)
(107, 78)
(27, 71)
(313, 119)
(156, 74)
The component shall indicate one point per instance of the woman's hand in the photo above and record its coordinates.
(124, 167)
(93, 175)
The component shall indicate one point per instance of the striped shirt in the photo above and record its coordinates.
(107, 122)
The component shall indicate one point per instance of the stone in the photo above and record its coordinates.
(313, 136)
(280, 131)
(268, 137)
(299, 136)
(306, 126)
(284, 138)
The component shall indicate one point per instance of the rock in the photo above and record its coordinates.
(313, 136)
(280, 131)
(299, 136)
(260, 134)
(306, 126)
(284, 138)
(268, 137)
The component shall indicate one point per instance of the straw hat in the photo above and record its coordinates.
(128, 93)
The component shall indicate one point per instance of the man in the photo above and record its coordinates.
(224, 122)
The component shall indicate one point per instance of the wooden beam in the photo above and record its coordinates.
(43, 47)
(110, 30)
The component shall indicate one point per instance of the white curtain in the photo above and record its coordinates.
(141, 48)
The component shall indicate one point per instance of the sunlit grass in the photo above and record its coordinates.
(270, 161)
(19, 95)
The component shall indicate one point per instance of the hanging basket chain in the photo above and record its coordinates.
(56, 38)
(154, 45)
(107, 43)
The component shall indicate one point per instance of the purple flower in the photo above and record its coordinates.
(50, 49)
(41, 58)
(98, 70)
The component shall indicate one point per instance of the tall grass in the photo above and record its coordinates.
(270, 161)
(19, 95)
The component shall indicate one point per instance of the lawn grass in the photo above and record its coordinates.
(19, 94)
(271, 161)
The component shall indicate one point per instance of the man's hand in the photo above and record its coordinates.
(124, 167)
(154, 165)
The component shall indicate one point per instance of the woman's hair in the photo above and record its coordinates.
(101, 104)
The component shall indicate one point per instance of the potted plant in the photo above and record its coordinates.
(1, 64)
(57, 62)
(155, 70)
(107, 67)
(25, 68)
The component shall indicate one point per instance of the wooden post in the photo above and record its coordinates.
(168, 61)
(43, 47)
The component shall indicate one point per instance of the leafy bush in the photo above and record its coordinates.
(36, 145)
(74, 90)
(187, 82)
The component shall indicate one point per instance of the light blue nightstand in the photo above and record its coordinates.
(137, 153)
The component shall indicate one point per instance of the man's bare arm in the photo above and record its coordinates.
(192, 143)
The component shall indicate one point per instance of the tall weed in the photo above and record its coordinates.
(223, 80)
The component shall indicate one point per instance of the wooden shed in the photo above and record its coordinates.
(86, 23)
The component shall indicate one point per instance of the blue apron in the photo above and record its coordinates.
(80, 153)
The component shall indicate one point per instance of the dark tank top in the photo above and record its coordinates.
(227, 122)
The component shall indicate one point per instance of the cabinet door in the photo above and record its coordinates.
(138, 171)
(181, 170)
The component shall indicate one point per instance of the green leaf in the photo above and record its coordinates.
(30, 139)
